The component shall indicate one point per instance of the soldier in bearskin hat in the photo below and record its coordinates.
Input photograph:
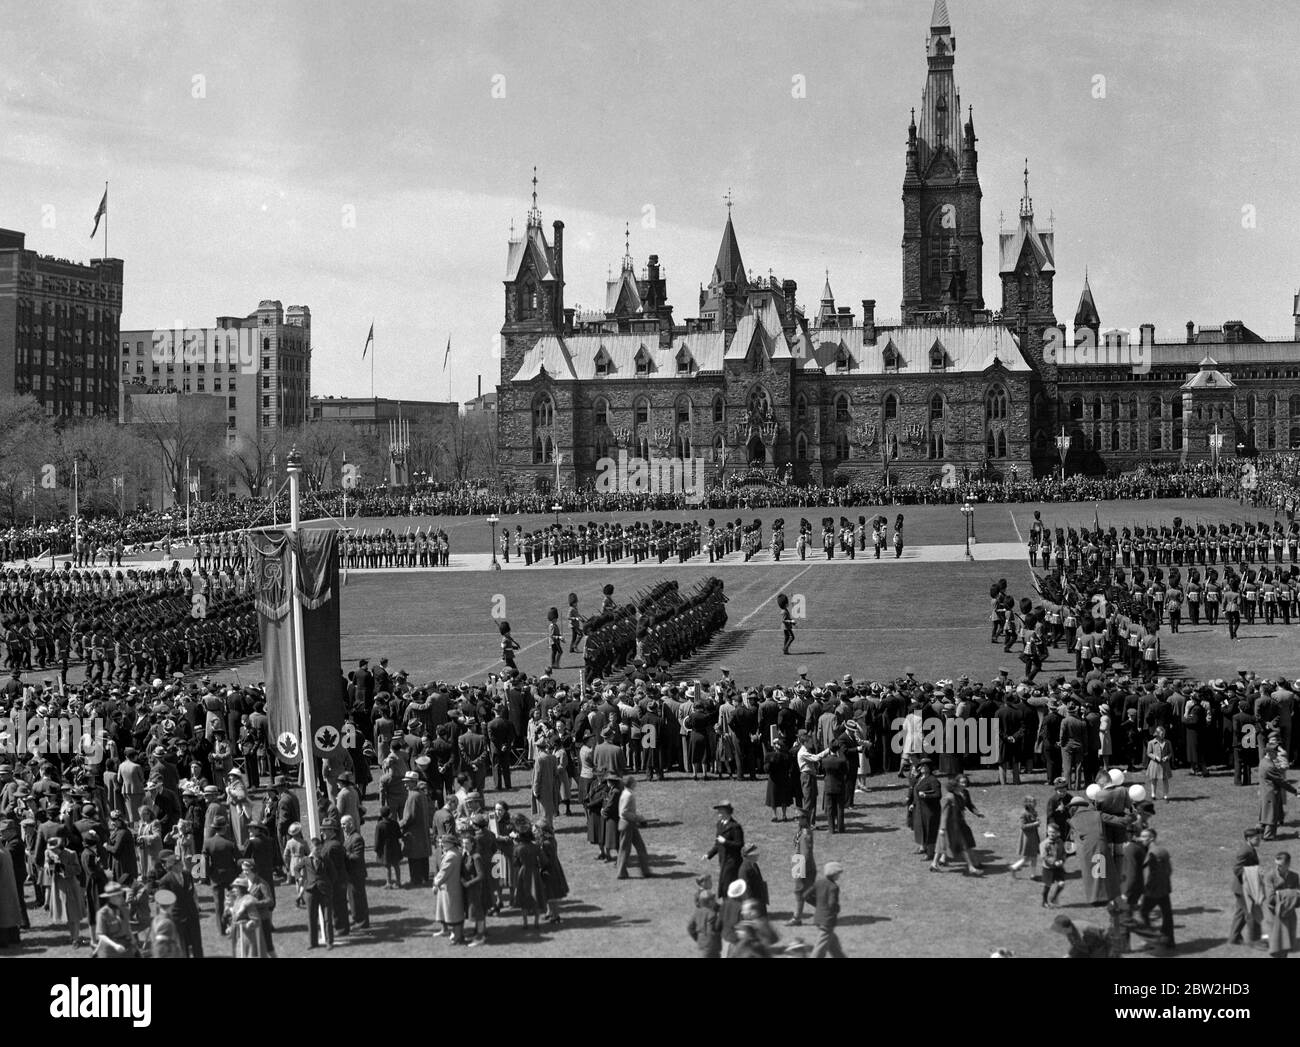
(787, 623)
(575, 623)
(557, 643)
(801, 543)
(509, 645)
(608, 603)
(778, 538)
(898, 537)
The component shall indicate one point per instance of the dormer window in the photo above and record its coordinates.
(891, 358)
(602, 361)
(938, 358)
(684, 361)
(842, 360)
(642, 362)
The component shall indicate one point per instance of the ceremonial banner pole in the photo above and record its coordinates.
(294, 468)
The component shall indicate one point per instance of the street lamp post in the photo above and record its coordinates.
(1063, 449)
(968, 511)
(1216, 447)
(53, 532)
(493, 520)
(556, 508)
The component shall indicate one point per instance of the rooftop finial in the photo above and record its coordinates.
(1026, 204)
(534, 215)
(627, 248)
(729, 198)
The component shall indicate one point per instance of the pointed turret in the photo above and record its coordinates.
(729, 266)
(1086, 315)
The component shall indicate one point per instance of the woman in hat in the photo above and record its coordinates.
(449, 902)
(247, 939)
(476, 882)
(1160, 762)
(164, 939)
(148, 840)
(501, 825)
(557, 884)
(779, 765)
(113, 937)
(613, 792)
(954, 842)
(11, 907)
(530, 887)
(63, 892)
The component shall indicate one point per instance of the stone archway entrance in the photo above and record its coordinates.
(755, 451)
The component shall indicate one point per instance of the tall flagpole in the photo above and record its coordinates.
(372, 364)
(187, 498)
(293, 465)
(76, 507)
(106, 221)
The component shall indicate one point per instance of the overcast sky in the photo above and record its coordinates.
(235, 187)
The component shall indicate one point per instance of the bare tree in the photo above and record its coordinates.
(254, 459)
(181, 429)
(27, 443)
(105, 454)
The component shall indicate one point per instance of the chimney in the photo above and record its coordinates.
(480, 388)
(788, 288)
(1148, 336)
(652, 269)
(558, 246)
(568, 321)
(869, 321)
(1191, 332)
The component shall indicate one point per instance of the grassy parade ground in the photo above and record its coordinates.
(872, 620)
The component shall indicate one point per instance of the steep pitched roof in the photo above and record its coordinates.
(574, 358)
(1086, 314)
(1013, 245)
(729, 266)
(1208, 376)
(534, 243)
(623, 287)
(939, 19)
(969, 349)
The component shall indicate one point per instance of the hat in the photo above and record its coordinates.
(736, 889)
(1058, 783)
(248, 863)
(112, 889)
(1078, 801)
(410, 776)
(280, 779)
(346, 776)
(725, 805)
(748, 849)
(612, 777)
(295, 829)
(833, 869)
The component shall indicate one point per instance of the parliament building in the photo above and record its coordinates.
(758, 382)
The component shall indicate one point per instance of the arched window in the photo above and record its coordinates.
(1176, 408)
(759, 404)
(717, 448)
(1153, 407)
(990, 445)
(936, 408)
(719, 414)
(1154, 437)
(1272, 406)
(1002, 444)
(1271, 438)
(543, 413)
(1294, 408)
(1076, 408)
(801, 407)
(1114, 408)
(683, 411)
(642, 411)
(602, 443)
(995, 404)
(842, 407)
(1114, 437)
(890, 407)
(1176, 438)
(801, 448)
(1295, 439)
(1250, 407)
(842, 445)
(1133, 408)
(936, 446)
(601, 412)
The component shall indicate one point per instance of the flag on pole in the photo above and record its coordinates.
(100, 212)
(447, 355)
(370, 340)
(315, 585)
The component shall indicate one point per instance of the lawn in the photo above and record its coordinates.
(873, 620)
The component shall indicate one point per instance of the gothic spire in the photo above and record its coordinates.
(1026, 204)
(534, 215)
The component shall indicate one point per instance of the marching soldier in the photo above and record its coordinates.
(575, 623)
(898, 537)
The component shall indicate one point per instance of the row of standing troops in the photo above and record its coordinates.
(418, 548)
(1178, 545)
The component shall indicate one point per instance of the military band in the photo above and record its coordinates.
(418, 547)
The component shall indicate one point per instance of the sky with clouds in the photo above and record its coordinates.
(239, 185)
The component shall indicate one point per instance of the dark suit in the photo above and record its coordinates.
(727, 851)
(824, 895)
(318, 888)
(836, 771)
(1247, 857)
(333, 856)
(185, 913)
(223, 867)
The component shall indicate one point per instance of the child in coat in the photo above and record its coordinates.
(295, 858)
(1053, 866)
(1027, 848)
(388, 847)
(704, 927)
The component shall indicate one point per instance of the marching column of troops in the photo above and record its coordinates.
(125, 626)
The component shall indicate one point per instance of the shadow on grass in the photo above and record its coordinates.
(863, 920)
(509, 931)
(392, 930)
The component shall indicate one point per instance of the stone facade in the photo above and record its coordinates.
(754, 381)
